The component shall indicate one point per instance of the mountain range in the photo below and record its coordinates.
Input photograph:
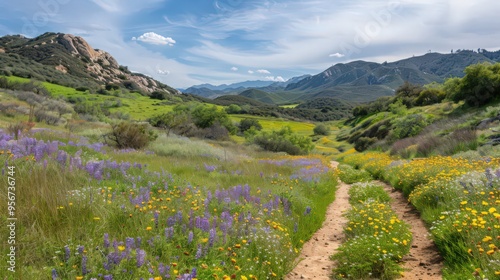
(361, 80)
(69, 60)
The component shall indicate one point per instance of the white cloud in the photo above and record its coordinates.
(162, 72)
(338, 55)
(155, 39)
(263, 71)
(275, 79)
(250, 72)
(234, 68)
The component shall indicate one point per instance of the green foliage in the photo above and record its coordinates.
(350, 175)
(408, 126)
(430, 96)
(408, 93)
(321, 129)
(247, 123)
(363, 192)
(205, 116)
(398, 108)
(479, 86)
(284, 140)
(131, 135)
(233, 109)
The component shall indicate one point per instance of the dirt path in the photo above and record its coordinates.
(315, 256)
(422, 263)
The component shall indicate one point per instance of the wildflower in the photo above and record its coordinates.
(141, 256)
(54, 274)
(84, 265)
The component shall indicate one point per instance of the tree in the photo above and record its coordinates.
(170, 120)
(480, 85)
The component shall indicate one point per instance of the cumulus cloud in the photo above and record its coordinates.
(250, 72)
(338, 55)
(275, 79)
(155, 39)
(263, 71)
(234, 68)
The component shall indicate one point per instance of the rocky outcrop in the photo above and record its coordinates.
(72, 55)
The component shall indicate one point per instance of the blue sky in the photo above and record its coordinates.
(183, 43)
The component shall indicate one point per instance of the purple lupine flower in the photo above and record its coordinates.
(151, 241)
(198, 252)
(141, 257)
(81, 249)
(54, 274)
(156, 215)
(194, 272)
(308, 210)
(106, 240)
(138, 242)
(84, 265)
(130, 243)
(67, 253)
(190, 237)
(210, 168)
(185, 276)
(211, 237)
(62, 157)
(108, 277)
(169, 232)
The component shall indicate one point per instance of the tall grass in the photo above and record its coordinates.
(88, 211)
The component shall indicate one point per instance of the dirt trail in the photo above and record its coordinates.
(315, 256)
(422, 263)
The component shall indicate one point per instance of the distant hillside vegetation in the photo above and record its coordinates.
(238, 100)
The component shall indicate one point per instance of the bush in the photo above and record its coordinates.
(362, 143)
(131, 135)
(233, 109)
(246, 124)
(408, 126)
(321, 129)
(284, 140)
(48, 118)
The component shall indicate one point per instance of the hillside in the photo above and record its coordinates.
(69, 60)
(358, 81)
(371, 80)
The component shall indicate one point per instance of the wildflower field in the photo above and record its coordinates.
(460, 201)
(87, 211)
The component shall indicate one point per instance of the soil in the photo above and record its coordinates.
(423, 261)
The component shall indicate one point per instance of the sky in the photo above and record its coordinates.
(189, 42)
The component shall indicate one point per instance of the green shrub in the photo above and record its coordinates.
(246, 124)
(284, 140)
(321, 129)
(408, 126)
(131, 135)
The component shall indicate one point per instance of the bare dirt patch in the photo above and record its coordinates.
(423, 262)
(315, 262)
